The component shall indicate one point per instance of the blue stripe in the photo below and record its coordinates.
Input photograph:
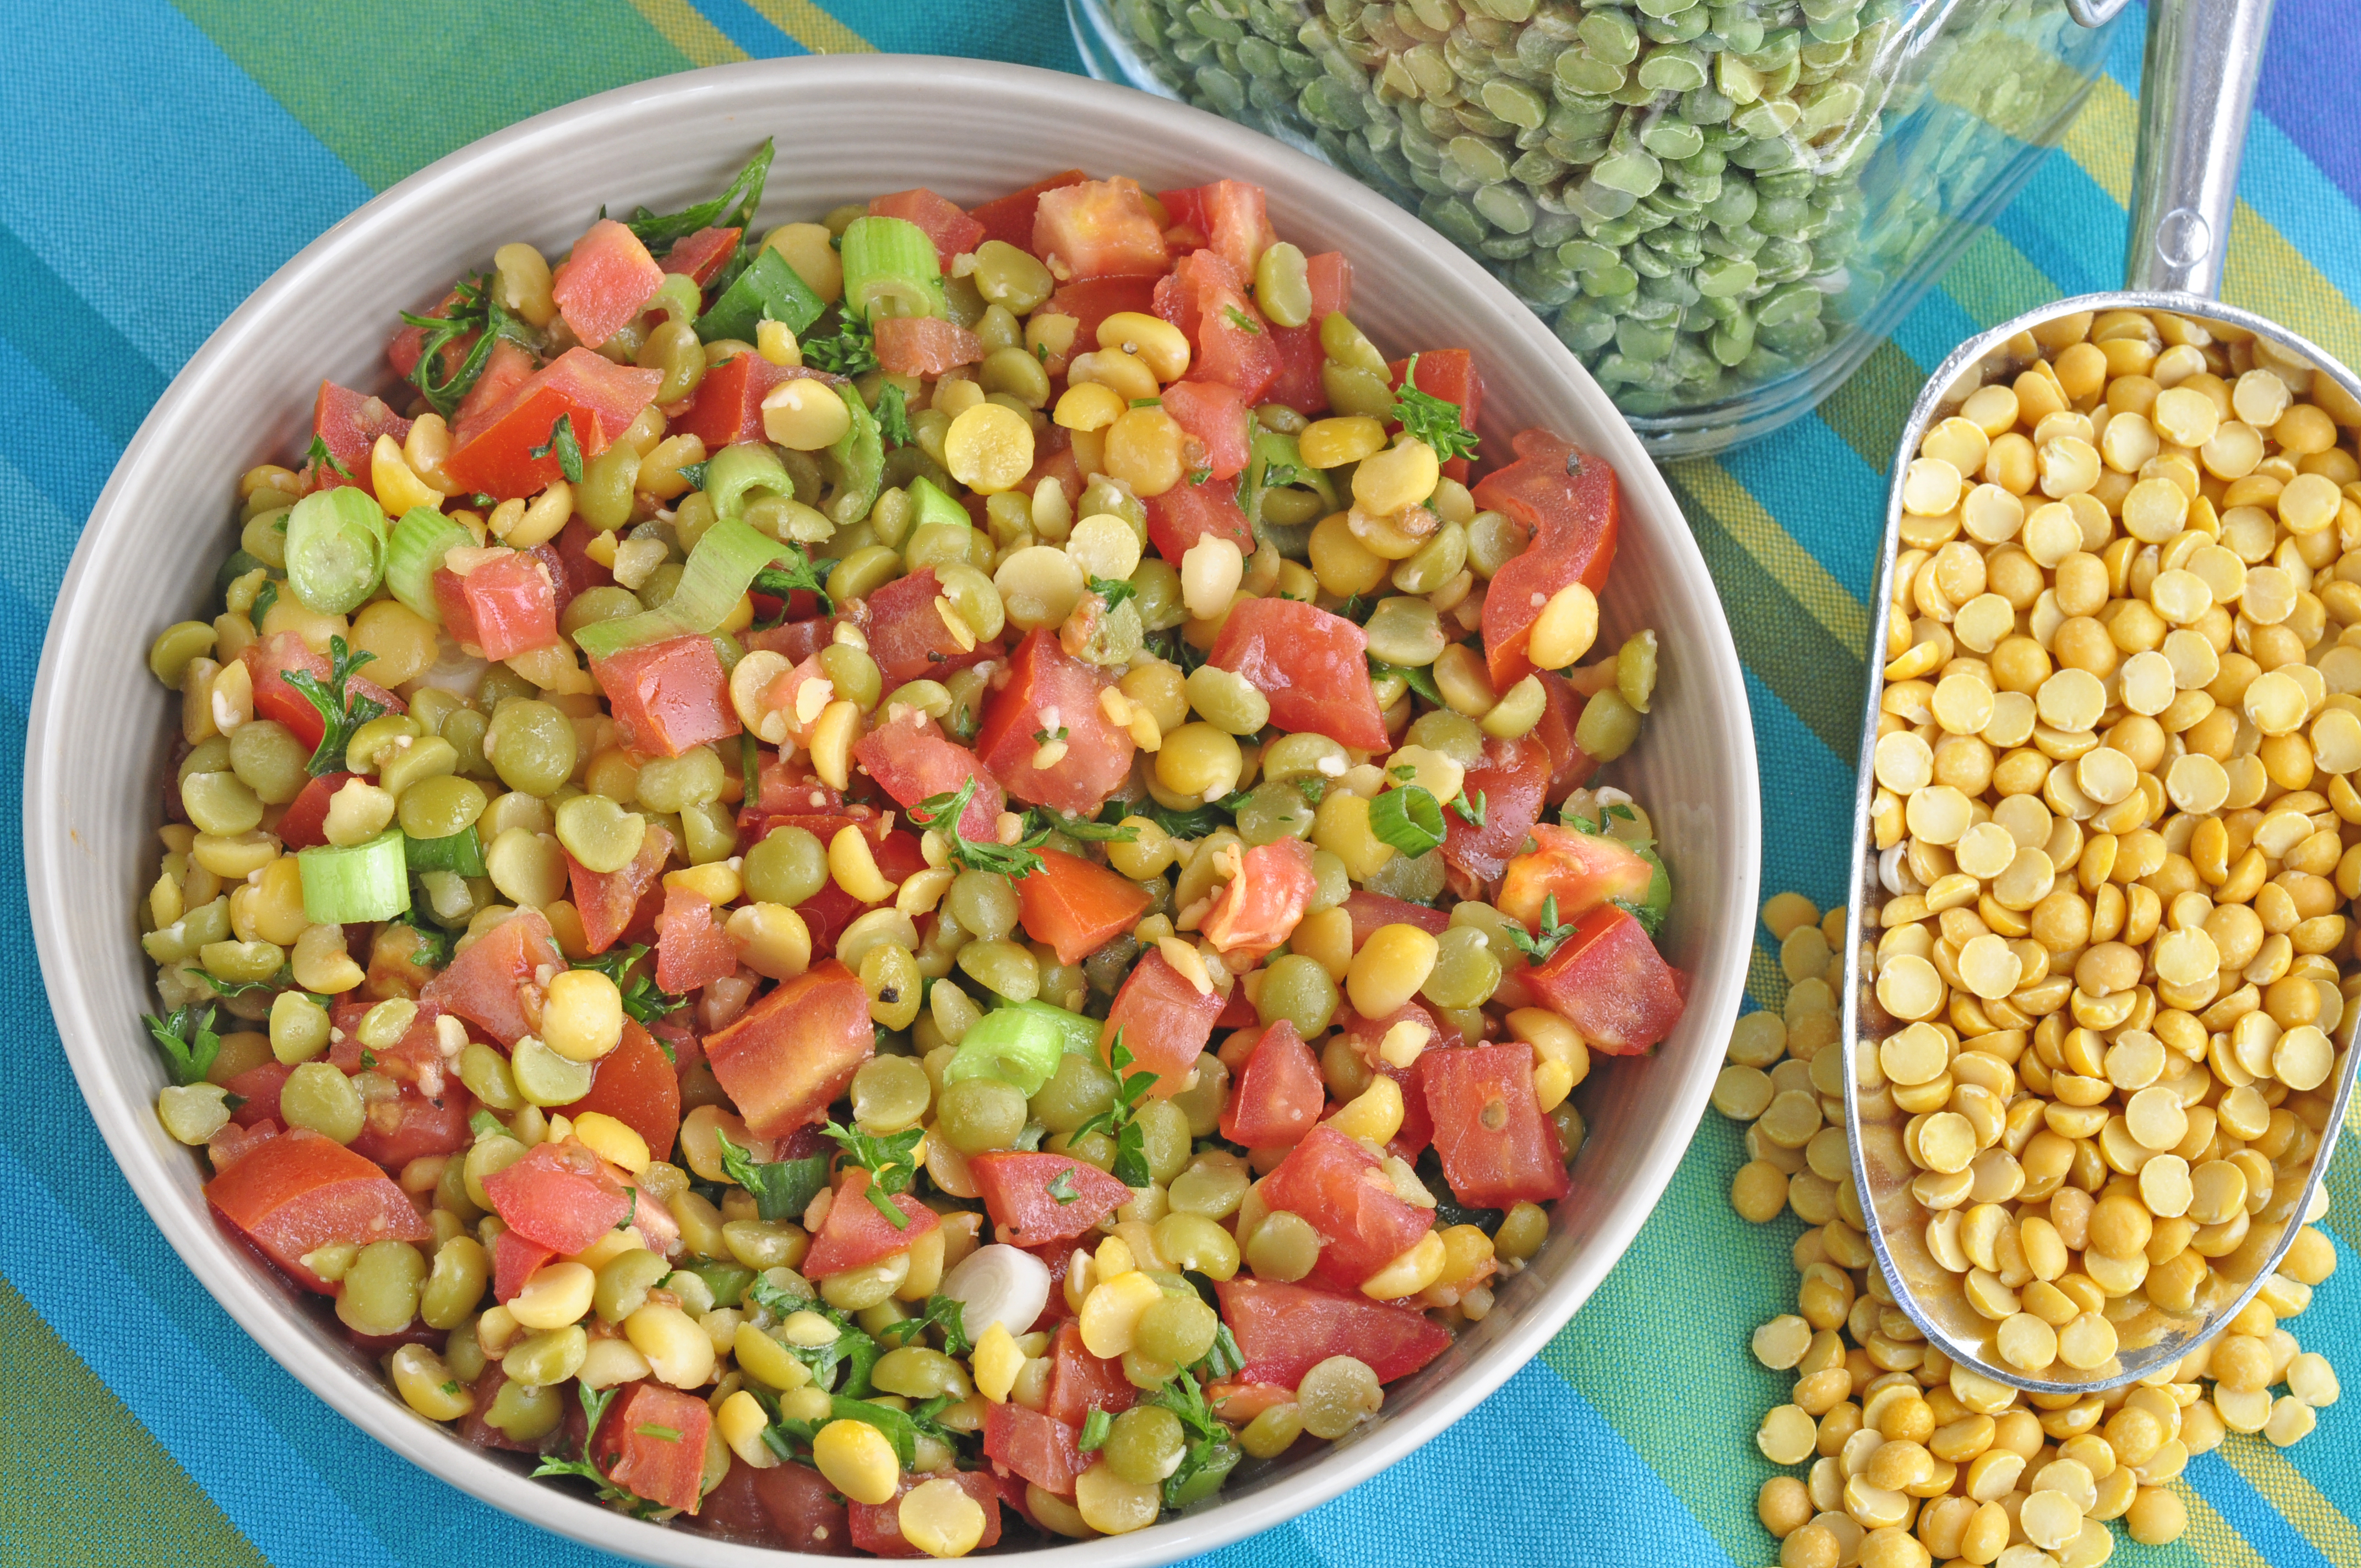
(2286, 186)
(2332, 1325)
(86, 361)
(2069, 229)
(2307, 84)
(62, 455)
(748, 29)
(1821, 492)
(1928, 334)
(1033, 34)
(2248, 1511)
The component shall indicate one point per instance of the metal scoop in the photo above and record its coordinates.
(2199, 84)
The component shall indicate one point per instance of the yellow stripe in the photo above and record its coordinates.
(2102, 138)
(698, 40)
(813, 27)
(1791, 565)
(2297, 1499)
(2217, 1543)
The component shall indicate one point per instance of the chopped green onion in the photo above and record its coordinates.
(1408, 818)
(335, 549)
(720, 569)
(858, 458)
(890, 269)
(460, 853)
(420, 540)
(347, 884)
(734, 470)
(1019, 1044)
(769, 289)
(933, 506)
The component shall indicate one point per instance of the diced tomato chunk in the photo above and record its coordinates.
(1163, 1021)
(505, 607)
(952, 230)
(1077, 905)
(1512, 778)
(1215, 418)
(1342, 1191)
(604, 283)
(908, 636)
(1051, 693)
(652, 1444)
(692, 950)
(487, 984)
(1034, 1447)
(1449, 374)
(790, 1507)
(609, 901)
(1038, 1199)
(1284, 1330)
(1009, 218)
(1368, 911)
(259, 1085)
(1568, 499)
(411, 1125)
(925, 346)
(1091, 301)
(1608, 980)
(306, 820)
(1300, 384)
(299, 1191)
(513, 451)
(877, 1527)
(514, 1257)
(1187, 513)
(1237, 225)
(508, 366)
(727, 407)
(1496, 1146)
(1100, 228)
(1312, 666)
(269, 660)
(348, 424)
(1081, 1382)
(639, 1086)
(1234, 343)
(667, 697)
(1570, 765)
(1259, 908)
(795, 1051)
(559, 1195)
(856, 1232)
(1280, 1095)
(1581, 870)
(701, 255)
(913, 761)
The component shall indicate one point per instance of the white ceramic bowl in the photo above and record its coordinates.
(99, 731)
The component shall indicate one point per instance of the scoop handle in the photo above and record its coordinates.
(2197, 85)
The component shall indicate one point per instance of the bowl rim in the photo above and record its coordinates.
(230, 1274)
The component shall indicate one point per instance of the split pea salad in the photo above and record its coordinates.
(2117, 836)
(934, 876)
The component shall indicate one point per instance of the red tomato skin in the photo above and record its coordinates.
(483, 1434)
(789, 1507)
(639, 1086)
(908, 638)
(404, 349)
(1081, 1382)
(1581, 870)
(1077, 905)
(692, 950)
(1238, 224)
(1314, 666)
(795, 1051)
(559, 1196)
(1259, 908)
(259, 1087)
(300, 1191)
(1034, 1447)
(1610, 982)
(1449, 374)
(507, 367)
(506, 606)
(953, 230)
(727, 406)
(1299, 384)
(269, 659)
(1234, 342)
(638, 1457)
(1100, 228)
(599, 397)
(1186, 513)
(482, 983)
(1215, 418)
(1091, 301)
(514, 1257)
(1025, 1213)
(1340, 1189)
(701, 255)
(304, 826)
(577, 572)
(1284, 1330)
(1163, 1021)
(1368, 911)
(348, 424)
(413, 1124)
(1569, 501)
(1570, 767)
(1009, 219)
(601, 287)
(1417, 1128)
(855, 1234)
(1279, 1096)
(877, 1528)
(923, 345)
(1488, 1166)
(667, 697)
(1513, 778)
(795, 641)
(912, 761)
(1043, 676)
(608, 901)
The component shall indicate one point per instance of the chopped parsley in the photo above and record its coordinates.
(1212, 1452)
(568, 448)
(1061, 1186)
(1469, 812)
(1117, 1121)
(1201, 474)
(471, 311)
(1551, 938)
(943, 813)
(643, 1000)
(734, 208)
(1241, 321)
(798, 571)
(851, 351)
(694, 473)
(783, 1188)
(887, 1160)
(894, 415)
(944, 1312)
(1436, 421)
(322, 457)
(594, 1409)
(1420, 679)
(189, 1042)
(1051, 819)
(1113, 590)
(1096, 1427)
(1043, 737)
(342, 711)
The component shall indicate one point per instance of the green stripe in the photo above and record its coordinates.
(87, 1485)
(1814, 674)
(1992, 282)
(1868, 410)
(389, 99)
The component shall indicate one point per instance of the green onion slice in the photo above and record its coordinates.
(719, 571)
(335, 549)
(734, 470)
(1015, 1045)
(460, 853)
(933, 506)
(890, 269)
(769, 289)
(420, 540)
(1408, 818)
(343, 884)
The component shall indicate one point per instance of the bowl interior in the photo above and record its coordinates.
(164, 521)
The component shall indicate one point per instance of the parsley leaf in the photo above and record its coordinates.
(695, 473)
(594, 1409)
(343, 712)
(944, 1312)
(798, 571)
(1420, 676)
(1094, 1431)
(1408, 818)
(1212, 1452)
(894, 415)
(1199, 474)
(472, 309)
(734, 208)
(1194, 823)
(887, 1160)
(783, 1188)
(1148, 402)
(852, 1349)
(1553, 934)
(1049, 818)
(661, 1434)
(189, 1042)
(1117, 1121)
(943, 813)
(643, 1000)
(562, 441)
(1061, 1186)
(1043, 737)
(320, 455)
(432, 947)
(779, 1303)
(1114, 590)
(853, 351)
(264, 598)
(1275, 474)
(1471, 813)
(1432, 420)
(483, 1124)
(1241, 321)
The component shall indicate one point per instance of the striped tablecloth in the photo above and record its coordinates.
(162, 161)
